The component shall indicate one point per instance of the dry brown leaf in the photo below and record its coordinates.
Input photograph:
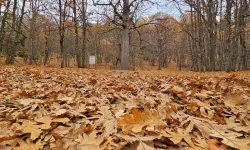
(30, 127)
(28, 101)
(177, 137)
(61, 120)
(235, 99)
(144, 146)
(137, 120)
(90, 141)
(213, 144)
(6, 134)
(60, 112)
(58, 105)
(29, 145)
(202, 143)
(7, 138)
(231, 138)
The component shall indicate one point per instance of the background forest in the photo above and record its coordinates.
(47, 102)
(209, 35)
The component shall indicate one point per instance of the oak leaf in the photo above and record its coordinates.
(137, 120)
(230, 138)
(177, 137)
(29, 145)
(31, 127)
(90, 141)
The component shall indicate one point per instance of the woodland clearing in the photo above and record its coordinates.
(82, 109)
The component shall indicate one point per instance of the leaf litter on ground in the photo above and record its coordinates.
(78, 109)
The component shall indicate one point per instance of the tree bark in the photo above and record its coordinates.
(244, 6)
(160, 57)
(2, 30)
(84, 33)
(228, 36)
(78, 52)
(11, 46)
(62, 30)
(125, 35)
(47, 48)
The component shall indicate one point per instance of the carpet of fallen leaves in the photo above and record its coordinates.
(78, 109)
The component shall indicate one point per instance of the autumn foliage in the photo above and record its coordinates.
(50, 108)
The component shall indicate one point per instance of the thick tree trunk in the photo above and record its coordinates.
(234, 52)
(11, 46)
(242, 30)
(34, 35)
(212, 33)
(125, 35)
(125, 49)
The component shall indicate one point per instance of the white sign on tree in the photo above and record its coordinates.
(91, 60)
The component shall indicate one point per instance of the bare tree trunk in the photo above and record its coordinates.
(242, 26)
(84, 33)
(221, 62)
(234, 52)
(211, 12)
(34, 34)
(228, 36)
(1, 3)
(193, 43)
(159, 46)
(2, 30)
(62, 30)
(11, 48)
(47, 48)
(125, 35)
(78, 52)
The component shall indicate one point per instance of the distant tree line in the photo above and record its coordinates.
(210, 35)
(216, 34)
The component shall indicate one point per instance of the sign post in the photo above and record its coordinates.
(92, 61)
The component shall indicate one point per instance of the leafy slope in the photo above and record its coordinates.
(74, 109)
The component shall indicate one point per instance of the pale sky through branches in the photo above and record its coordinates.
(166, 7)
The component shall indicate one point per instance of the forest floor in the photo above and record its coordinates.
(86, 109)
